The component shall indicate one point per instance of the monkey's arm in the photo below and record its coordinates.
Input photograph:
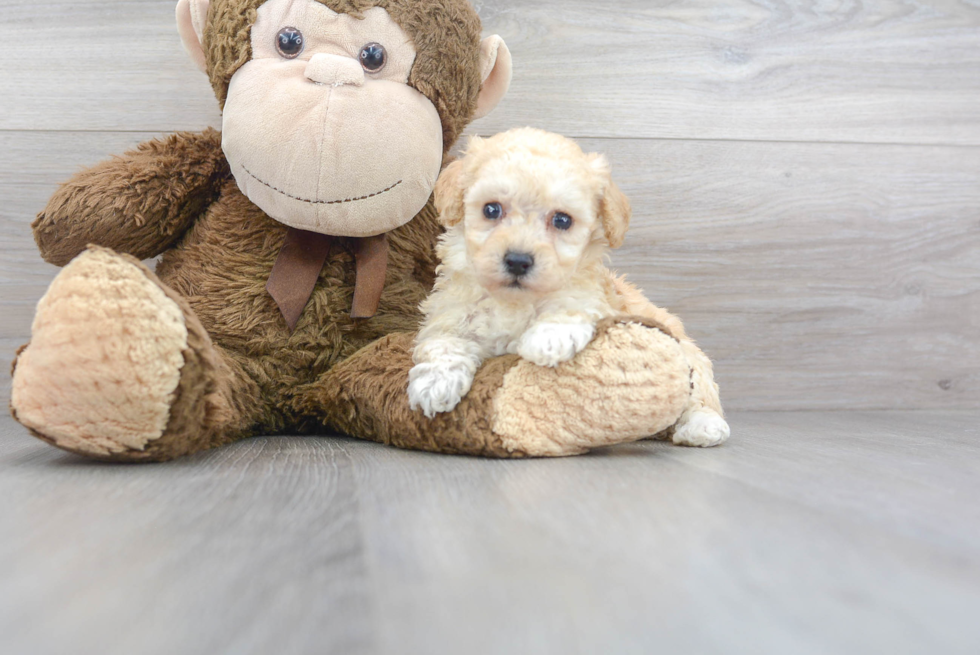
(139, 203)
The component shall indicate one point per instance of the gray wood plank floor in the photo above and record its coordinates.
(809, 533)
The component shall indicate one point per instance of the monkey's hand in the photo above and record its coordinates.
(138, 204)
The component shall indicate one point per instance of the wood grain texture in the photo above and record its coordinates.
(904, 71)
(807, 533)
(878, 71)
(99, 65)
(816, 275)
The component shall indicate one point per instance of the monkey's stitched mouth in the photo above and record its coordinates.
(319, 202)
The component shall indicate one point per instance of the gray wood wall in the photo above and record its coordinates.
(806, 175)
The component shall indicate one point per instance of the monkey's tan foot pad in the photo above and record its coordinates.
(631, 382)
(104, 363)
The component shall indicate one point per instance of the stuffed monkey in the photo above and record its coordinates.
(296, 246)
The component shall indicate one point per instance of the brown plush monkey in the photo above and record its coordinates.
(296, 247)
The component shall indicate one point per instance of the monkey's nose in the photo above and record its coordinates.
(518, 264)
(334, 70)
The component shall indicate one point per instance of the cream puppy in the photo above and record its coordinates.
(530, 218)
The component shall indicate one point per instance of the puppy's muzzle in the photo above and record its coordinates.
(518, 264)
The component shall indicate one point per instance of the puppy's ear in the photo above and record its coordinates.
(616, 212)
(449, 195)
(614, 207)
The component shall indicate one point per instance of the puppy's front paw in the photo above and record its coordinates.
(437, 388)
(549, 344)
(702, 429)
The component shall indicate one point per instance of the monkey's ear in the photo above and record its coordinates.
(449, 195)
(496, 69)
(614, 207)
(192, 16)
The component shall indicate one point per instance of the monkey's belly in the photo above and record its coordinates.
(221, 266)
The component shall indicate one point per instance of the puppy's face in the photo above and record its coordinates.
(529, 220)
(533, 208)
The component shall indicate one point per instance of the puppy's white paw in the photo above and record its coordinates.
(549, 344)
(439, 387)
(702, 429)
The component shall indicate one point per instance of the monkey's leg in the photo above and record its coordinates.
(119, 368)
(631, 382)
(703, 421)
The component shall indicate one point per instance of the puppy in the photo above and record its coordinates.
(530, 218)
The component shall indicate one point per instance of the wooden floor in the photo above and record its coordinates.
(809, 533)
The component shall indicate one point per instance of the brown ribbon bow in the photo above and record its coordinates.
(302, 258)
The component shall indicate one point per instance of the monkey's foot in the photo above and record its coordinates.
(631, 382)
(106, 361)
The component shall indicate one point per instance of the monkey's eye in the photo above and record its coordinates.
(290, 42)
(493, 211)
(373, 57)
(562, 221)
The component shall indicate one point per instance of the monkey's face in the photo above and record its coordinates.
(322, 130)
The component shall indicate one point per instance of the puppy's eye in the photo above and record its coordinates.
(290, 42)
(493, 211)
(562, 221)
(373, 57)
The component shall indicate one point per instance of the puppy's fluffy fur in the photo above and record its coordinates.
(531, 280)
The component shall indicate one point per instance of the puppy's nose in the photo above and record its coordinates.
(518, 263)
